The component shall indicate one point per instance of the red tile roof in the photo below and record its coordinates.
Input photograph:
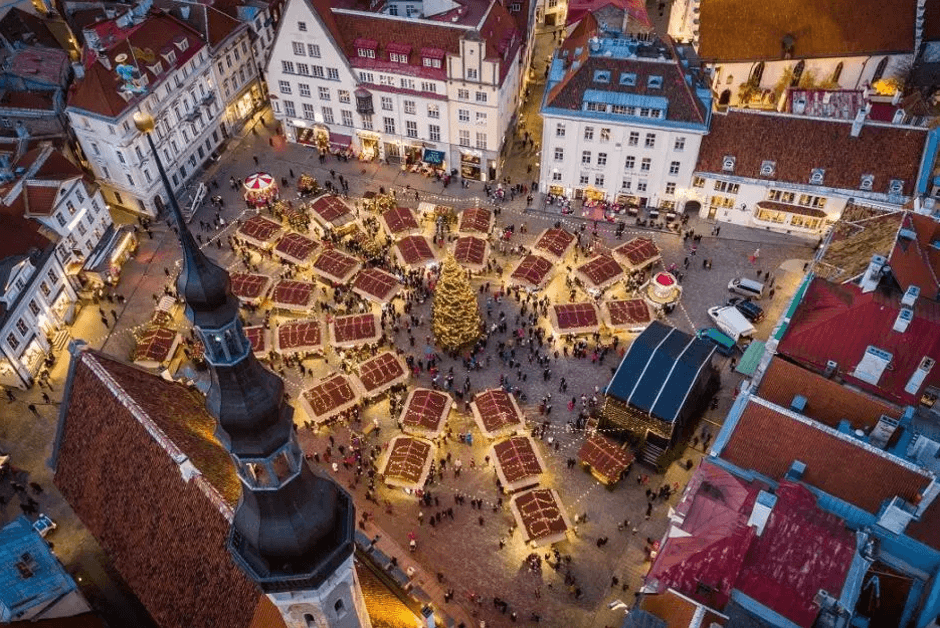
(249, 286)
(336, 265)
(839, 322)
(629, 312)
(300, 335)
(827, 401)
(425, 409)
(330, 394)
(380, 370)
(638, 251)
(635, 9)
(496, 410)
(555, 241)
(376, 282)
(289, 292)
(601, 270)
(540, 513)
(156, 36)
(605, 456)
(407, 459)
(259, 228)
(399, 219)
(20, 234)
(415, 250)
(470, 250)
(840, 28)
(532, 270)
(768, 439)
(517, 458)
(296, 247)
(917, 262)
(40, 199)
(801, 550)
(355, 327)
(477, 219)
(38, 64)
(165, 535)
(799, 144)
(574, 316)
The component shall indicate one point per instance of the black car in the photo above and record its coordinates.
(748, 308)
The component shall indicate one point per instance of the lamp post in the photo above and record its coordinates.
(145, 124)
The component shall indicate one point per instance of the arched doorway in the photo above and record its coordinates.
(692, 207)
(725, 98)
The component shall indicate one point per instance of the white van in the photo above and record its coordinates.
(730, 321)
(746, 287)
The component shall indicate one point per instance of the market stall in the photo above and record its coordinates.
(425, 412)
(335, 266)
(354, 330)
(249, 287)
(414, 251)
(329, 397)
(407, 463)
(155, 347)
(300, 336)
(260, 189)
(471, 252)
(630, 315)
(531, 273)
(599, 273)
(496, 413)
(259, 232)
(519, 464)
(570, 319)
(540, 515)
(376, 285)
(260, 338)
(379, 373)
(554, 244)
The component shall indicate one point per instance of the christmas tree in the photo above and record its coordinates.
(456, 313)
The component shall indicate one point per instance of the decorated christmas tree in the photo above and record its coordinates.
(456, 313)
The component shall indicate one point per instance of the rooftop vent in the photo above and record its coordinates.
(919, 375)
(797, 469)
(867, 182)
(896, 186)
(883, 431)
(763, 506)
(910, 296)
(896, 516)
(798, 404)
(873, 273)
(907, 234)
(816, 176)
(768, 168)
(831, 368)
(872, 365)
(727, 164)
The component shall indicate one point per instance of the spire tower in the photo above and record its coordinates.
(292, 530)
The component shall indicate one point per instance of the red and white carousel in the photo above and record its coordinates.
(260, 189)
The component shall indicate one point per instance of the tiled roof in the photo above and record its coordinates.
(820, 29)
(407, 459)
(165, 535)
(916, 262)
(540, 513)
(42, 65)
(860, 233)
(799, 144)
(517, 459)
(605, 456)
(683, 105)
(19, 234)
(635, 9)
(839, 323)
(40, 199)
(768, 439)
(801, 550)
(826, 401)
(156, 36)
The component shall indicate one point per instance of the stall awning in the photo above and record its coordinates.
(751, 358)
(435, 157)
(340, 142)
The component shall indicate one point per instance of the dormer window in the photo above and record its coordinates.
(602, 76)
(817, 176)
(628, 79)
(398, 53)
(727, 164)
(896, 186)
(768, 168)
(183, 44)
(654, 82)
(365, 48)
(867, 182)
(428, 62)
(170, 56)
(156, 68)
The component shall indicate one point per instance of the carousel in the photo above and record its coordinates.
(260, 189)
(662, 292)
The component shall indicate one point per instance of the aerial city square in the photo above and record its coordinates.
(470, 313)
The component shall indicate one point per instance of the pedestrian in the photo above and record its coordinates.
(32, 408)
(255, 157)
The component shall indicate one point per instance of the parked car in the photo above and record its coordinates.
(723, 343)
(44, 525)
(731, 322)
(746, 287)
(751, 310)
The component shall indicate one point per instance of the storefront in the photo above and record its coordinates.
(470, 165)
(393, 152)
(370, 146)
(414, 154)
(433, 158)
(245, 104)
(104, 263)
(784, 216)
(340, 143)
(317, 136)
(590, 194)
(557, 190)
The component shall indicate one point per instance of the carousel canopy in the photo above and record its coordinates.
(259, 182)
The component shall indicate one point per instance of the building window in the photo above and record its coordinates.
(724, 186)
(698, 182)
(596, 106)
(630, 163)
(599, 180)
(601, 159)
(463, 94)
(671, 188)
(304, 89)
(302, 26)
(367, 122)
(464, 139)
(324, 93)
(588, 133)
(434, 132)
(481, 117)
(559, 130)
(389, 125)
(409, 106)
(679, 144)
(645, 164)
(434, 111)
(674, 168)
(347, 118)
(626, 184)
(584, 179)
(463, 115)
(283, 87)
(386, 103)
(472, 74)
(481, 96)
(650, 140)
(407, 83)
(313, 50)
(641, 186)
(559, 154)
(411, 128)
(120, 157)
(481, 140)
(61, 220)
(343, 95)
(287, 67)
(397, 57)
(328, 115)
(428, 62)
(332, 74)
(289, 108)
(21, 327)
(586, 157)
(634, 138)
(130, 180)
(299, 48)
(317, 70)
(556, 176)
(13, 342)
(367, 53)
(605, 135)
(44, 288)
(427, 86)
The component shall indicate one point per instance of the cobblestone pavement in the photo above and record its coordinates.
(466, 553)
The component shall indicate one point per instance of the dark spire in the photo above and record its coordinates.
(292, 528)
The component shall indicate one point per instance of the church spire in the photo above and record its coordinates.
(292, 529)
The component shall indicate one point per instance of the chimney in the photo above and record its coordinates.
(883, 431)
(905, 316)
(910, 296)
(78, 69)
(763, 506)
(623, 24)
(831, 368)
(798, 404)
(858, 122)
(795, 474)
(873, 273)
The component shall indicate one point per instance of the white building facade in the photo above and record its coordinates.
(163, 68)
(436, 93)
(795, 174)
(621, 123)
